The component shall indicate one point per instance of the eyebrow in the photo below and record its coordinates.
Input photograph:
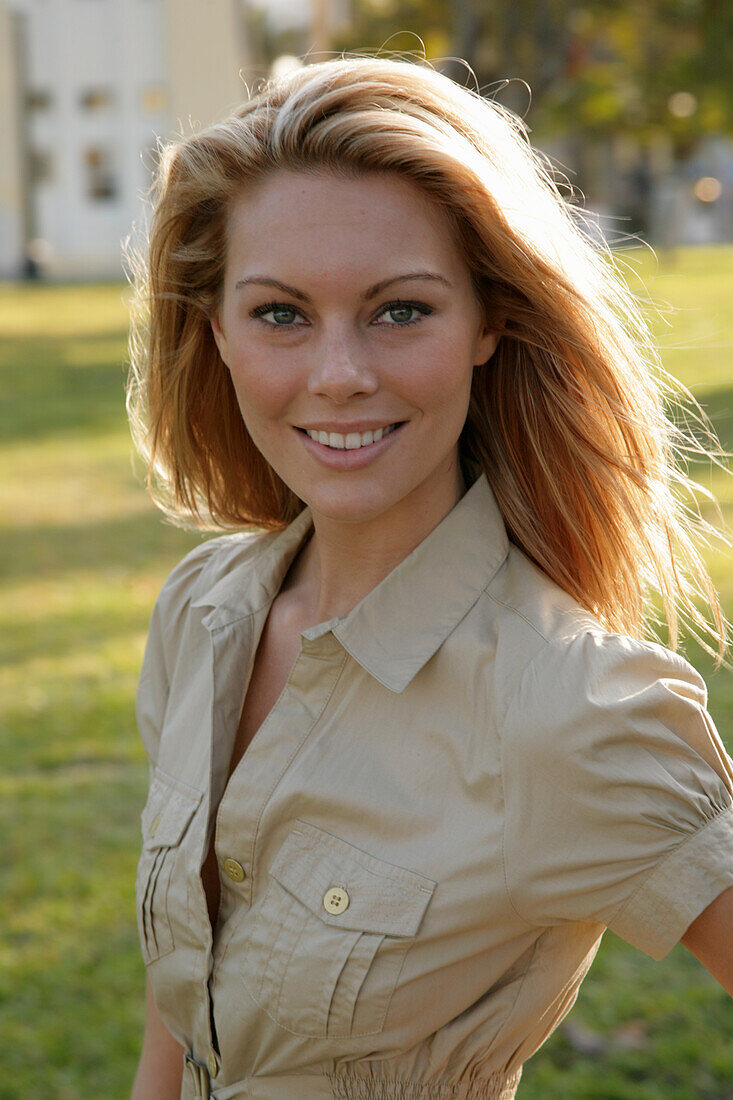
(370, 293)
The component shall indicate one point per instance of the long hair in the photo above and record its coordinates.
(568, 419)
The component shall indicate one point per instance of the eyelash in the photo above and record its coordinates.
(419, 306)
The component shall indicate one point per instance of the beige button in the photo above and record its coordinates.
(213, 1067)
(154, 826)
(335, 900)
(234, 869)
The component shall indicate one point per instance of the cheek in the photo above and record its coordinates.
(261, 390)
(441, 381)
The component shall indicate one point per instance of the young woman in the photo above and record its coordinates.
(410, 751)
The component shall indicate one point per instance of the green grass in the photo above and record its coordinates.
(82, 556)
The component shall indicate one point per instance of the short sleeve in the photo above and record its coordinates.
(161, 647)
(618, 791)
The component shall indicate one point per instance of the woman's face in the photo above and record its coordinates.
(348, 309)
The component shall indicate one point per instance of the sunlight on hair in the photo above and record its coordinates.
(574, 421)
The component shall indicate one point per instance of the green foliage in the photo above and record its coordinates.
(609, 67)
(82, 555)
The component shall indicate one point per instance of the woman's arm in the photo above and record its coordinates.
(160, 1071)
(710, 939)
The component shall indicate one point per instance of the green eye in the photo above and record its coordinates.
(400, 313)
(283, 315)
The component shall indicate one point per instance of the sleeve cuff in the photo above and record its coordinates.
(686, 881)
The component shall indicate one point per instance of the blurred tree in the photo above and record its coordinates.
(631, 86)
(608, 66)
(625, 62)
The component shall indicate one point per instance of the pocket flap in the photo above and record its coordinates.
(383, 898)
(170, 806)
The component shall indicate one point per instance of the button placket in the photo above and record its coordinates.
(254, 782)
(287, 727)
(199, 1078)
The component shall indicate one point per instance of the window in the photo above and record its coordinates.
(96, 99)
(40, 166)
(101, 184)
(38, 99)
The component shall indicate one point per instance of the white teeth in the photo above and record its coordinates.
(352, 441)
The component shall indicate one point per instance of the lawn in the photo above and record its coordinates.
(82, 556)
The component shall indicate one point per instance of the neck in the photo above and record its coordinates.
(342, 562)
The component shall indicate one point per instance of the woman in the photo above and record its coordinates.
(410, 755)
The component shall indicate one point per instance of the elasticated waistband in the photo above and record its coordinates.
(198, 1085)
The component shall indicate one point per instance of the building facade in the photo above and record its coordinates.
(87, 87)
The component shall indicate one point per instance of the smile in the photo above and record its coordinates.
(352, 441)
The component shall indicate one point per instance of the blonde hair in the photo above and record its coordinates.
(567, 418)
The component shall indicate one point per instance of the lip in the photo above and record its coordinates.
(348, 459)
(359, 426)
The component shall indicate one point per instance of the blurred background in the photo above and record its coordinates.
(633, 98)
(632, 101)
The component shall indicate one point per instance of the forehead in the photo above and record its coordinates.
(319, 217)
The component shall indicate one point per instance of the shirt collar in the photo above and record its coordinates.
(397, 627)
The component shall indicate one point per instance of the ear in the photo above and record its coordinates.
(485, 346)
(219, 337)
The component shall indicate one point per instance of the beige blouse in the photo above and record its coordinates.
(464, 781)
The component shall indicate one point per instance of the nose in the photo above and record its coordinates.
(341, 369)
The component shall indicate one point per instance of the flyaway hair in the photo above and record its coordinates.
(572, 417)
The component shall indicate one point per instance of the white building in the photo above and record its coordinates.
(86, 88)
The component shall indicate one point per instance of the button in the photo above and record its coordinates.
(213, 1065)
(154, 827)
(234, 869)
(335, 900)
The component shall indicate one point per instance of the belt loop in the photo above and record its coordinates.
(199, 1076)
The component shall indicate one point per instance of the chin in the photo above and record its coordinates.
(349, 506)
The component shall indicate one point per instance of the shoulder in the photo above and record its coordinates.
(208, 563)
(612, 771)
(600, 726)
(557, 658)
(196, 574)
(176, 631)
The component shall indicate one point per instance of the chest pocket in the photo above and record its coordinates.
(168, 811)
(328, 938)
